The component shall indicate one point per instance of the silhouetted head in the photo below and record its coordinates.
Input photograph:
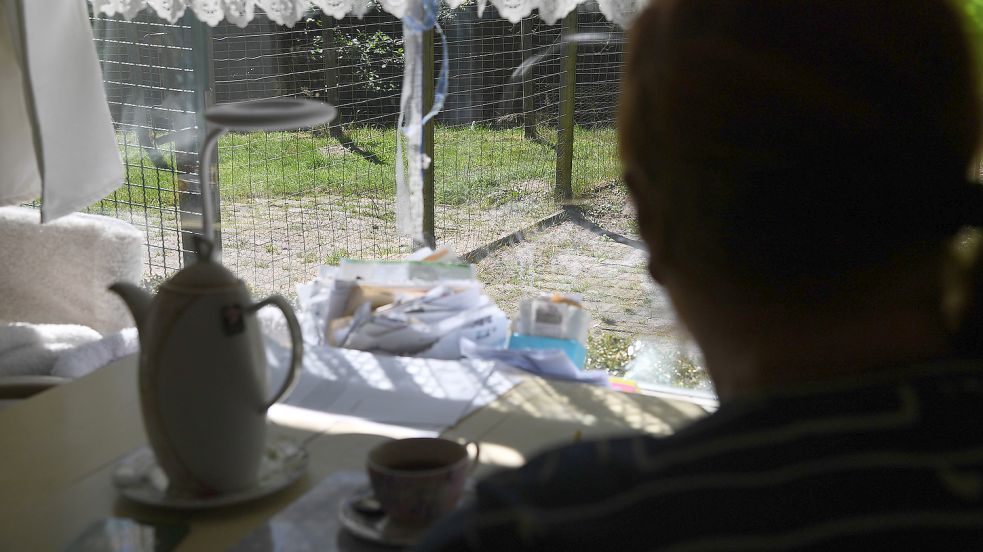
(785, 151)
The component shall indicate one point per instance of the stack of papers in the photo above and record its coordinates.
(419, 307)
(548, 363)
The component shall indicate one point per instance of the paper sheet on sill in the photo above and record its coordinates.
(425, 394)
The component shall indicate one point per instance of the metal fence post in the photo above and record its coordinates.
(429, 220)
(190, 198)
(563, 190)
(528, 84)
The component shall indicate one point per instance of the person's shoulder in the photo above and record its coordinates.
(574, 497)
(763, 465)
(752, 432)
(591, 470)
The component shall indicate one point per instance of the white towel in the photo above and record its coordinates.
(33, 349)
(59, 272)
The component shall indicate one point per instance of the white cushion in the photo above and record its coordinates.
(59, 272)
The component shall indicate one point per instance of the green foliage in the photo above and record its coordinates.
(334, 258)
(974, 26)
(373, 55)
(974, 9)
(609, 352)
(690, 375)
(369, 53)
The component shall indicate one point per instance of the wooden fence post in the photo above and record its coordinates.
(563, 190)
(528, 83)
(329, 51)
(429, 214)
(190, 200)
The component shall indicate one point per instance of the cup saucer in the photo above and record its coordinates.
(377, 527)
(139, 478)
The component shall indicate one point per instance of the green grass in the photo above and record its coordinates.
(475, 165)
(147, 185)
(334, 258)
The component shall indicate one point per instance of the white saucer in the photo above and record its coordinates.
(378, 528)
(138, 478)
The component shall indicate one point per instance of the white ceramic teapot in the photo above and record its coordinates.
(203, 387)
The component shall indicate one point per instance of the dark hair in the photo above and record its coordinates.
(789, 142)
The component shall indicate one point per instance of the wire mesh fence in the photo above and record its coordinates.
(291, 201)
(294, 200)
(148, 74)
(497, 140)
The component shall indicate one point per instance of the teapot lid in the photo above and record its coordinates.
(205, 274)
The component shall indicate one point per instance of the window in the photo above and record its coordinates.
(291, 201)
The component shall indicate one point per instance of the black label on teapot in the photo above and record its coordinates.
(232, 320)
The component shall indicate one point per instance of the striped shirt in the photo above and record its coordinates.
(890, 462)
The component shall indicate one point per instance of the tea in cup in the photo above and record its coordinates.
(417, 480)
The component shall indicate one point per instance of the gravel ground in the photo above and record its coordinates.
(276, 243)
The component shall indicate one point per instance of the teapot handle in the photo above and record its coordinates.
(296, 345)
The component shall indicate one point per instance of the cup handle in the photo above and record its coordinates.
(296, 346)
(477, 455)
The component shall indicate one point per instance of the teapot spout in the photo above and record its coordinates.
(136, 299)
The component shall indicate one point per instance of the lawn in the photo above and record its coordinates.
(471, 165)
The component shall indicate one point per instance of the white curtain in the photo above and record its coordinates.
(56, 134)
(288, 12)
(21, 178)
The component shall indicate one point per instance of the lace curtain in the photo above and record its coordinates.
(288, 12)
